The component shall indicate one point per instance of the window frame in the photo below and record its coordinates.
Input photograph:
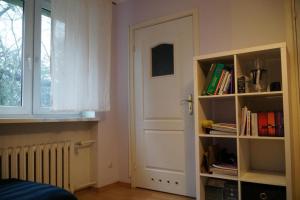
(31, 80)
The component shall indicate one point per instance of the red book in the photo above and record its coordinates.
(271, 124)
(262, 123)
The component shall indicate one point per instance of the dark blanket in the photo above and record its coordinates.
(12, 189)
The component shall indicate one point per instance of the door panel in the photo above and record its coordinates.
(164, 150)
(164, 128)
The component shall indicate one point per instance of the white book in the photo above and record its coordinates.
(224, 127)
(243, 120)
(214, 132)
(226, 87)
(248, 129)
(254, 124)
(223, 82)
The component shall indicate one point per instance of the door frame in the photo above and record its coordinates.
(131, 101)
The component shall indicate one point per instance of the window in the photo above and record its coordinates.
(25, 55)
(26, 30)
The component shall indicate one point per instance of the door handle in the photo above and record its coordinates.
(186, 101)
(189, 100)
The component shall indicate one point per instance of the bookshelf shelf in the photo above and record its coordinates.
(226, 177)
(277, 93)
(217, 96)
(264, 177)
(260, 159)
(217, 136)
(260, 138)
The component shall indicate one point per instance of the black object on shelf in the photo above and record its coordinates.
(254, 191)
(241, 84)
(218, 189)
(275, 86)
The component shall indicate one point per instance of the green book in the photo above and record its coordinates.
(208, 78)
(215, 79)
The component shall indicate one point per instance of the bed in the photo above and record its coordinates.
(12, 189)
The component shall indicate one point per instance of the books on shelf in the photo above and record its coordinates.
(224, 169)
(223, 129)
(214, 132)
(226, 127)
(261, 123)
(219, 80)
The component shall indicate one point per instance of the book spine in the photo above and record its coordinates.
(271, 124)
(232, 84)
(254, 127)
(248, 129)
(226, 87)
(220, 82)
(279, 128)
(215, 79)
(223, 82)
(243, 120)
(262, 123)
(208, 78)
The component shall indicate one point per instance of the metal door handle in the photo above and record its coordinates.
(186, 101)
(190, 103)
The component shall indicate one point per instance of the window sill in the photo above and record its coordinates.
(46, 120)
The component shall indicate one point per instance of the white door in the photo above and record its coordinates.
(163, 78)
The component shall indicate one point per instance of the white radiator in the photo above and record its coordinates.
(42, 163)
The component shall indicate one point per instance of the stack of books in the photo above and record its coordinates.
(223, 129)
(224, 169)
(219, 80)
(261, 123)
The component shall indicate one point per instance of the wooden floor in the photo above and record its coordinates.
(120, 191)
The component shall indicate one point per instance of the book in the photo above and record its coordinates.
(232, 84)
(254, 127)
(279, 128)
(262, 118)
(214, 132)
(243, 120)
(220, 81)
(215, 79)
(248, 124)
(223, 82)
(226, 127)
(225, 166)
(226, 87)
(223, 171)
(208, 78)
(271, 124)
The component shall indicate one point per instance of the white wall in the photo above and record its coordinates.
(224, 25)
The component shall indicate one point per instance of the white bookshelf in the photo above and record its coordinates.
(264, 160)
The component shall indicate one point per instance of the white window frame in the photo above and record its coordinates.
(31, 102)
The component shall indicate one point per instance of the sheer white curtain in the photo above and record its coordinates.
(81, 54)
